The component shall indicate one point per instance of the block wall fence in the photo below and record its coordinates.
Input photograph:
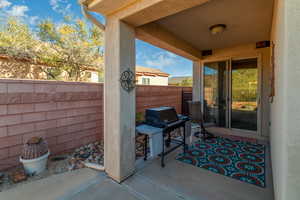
(67, 114)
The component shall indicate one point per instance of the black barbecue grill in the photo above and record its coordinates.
(167, 119)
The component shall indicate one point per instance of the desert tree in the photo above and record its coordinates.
(64, 51)
(75, 47)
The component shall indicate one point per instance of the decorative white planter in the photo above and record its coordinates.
(35, 166)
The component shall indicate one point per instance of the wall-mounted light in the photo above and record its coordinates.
(217, 29)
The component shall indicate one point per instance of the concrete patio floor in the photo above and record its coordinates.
(188, 182)
(176, 181)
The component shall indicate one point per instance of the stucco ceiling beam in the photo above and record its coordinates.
(160, 37)
(140, 12)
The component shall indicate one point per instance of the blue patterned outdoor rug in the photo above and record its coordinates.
(240, 160)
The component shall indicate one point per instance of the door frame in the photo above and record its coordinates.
(229, 60)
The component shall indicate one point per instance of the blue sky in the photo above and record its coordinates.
(31, 11)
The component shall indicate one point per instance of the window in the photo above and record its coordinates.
(146, 81)
(88, 74)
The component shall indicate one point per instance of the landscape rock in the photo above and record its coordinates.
(92, 153)
(18, 176)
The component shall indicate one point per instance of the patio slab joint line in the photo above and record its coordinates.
(164, 187)
(135, 193)
(82, 187)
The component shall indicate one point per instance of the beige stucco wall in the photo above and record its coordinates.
(94, 77)
(154, 80)
(277, 138)
(263, 54)
(119, 105)
(285, 115)
(197, 71)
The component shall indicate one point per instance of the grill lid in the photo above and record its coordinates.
(161, 116)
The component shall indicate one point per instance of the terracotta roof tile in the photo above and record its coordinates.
(151, 71)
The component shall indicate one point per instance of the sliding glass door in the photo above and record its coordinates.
(215, 93)
(230, 93)
(244, 94)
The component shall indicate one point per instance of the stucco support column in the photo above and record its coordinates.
(119, 105)
(285, 112)
(197, 81)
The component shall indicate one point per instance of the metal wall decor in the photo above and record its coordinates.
(128, 80)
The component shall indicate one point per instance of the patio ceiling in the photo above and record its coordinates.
(140, 12)
(182, 27)
(248, 21)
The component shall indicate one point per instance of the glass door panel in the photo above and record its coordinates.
(215, 93)
(244, 88)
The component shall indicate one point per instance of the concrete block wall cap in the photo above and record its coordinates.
(29, 81)
(34, 160)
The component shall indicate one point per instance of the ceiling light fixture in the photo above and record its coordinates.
(217, 29)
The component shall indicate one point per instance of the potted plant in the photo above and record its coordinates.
(35, 155)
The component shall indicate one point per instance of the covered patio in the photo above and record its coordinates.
(176, 181)
(207, 32)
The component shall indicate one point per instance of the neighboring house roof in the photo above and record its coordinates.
(178, 79)
(148, 71)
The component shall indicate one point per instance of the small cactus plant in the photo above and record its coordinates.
(35, 147)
